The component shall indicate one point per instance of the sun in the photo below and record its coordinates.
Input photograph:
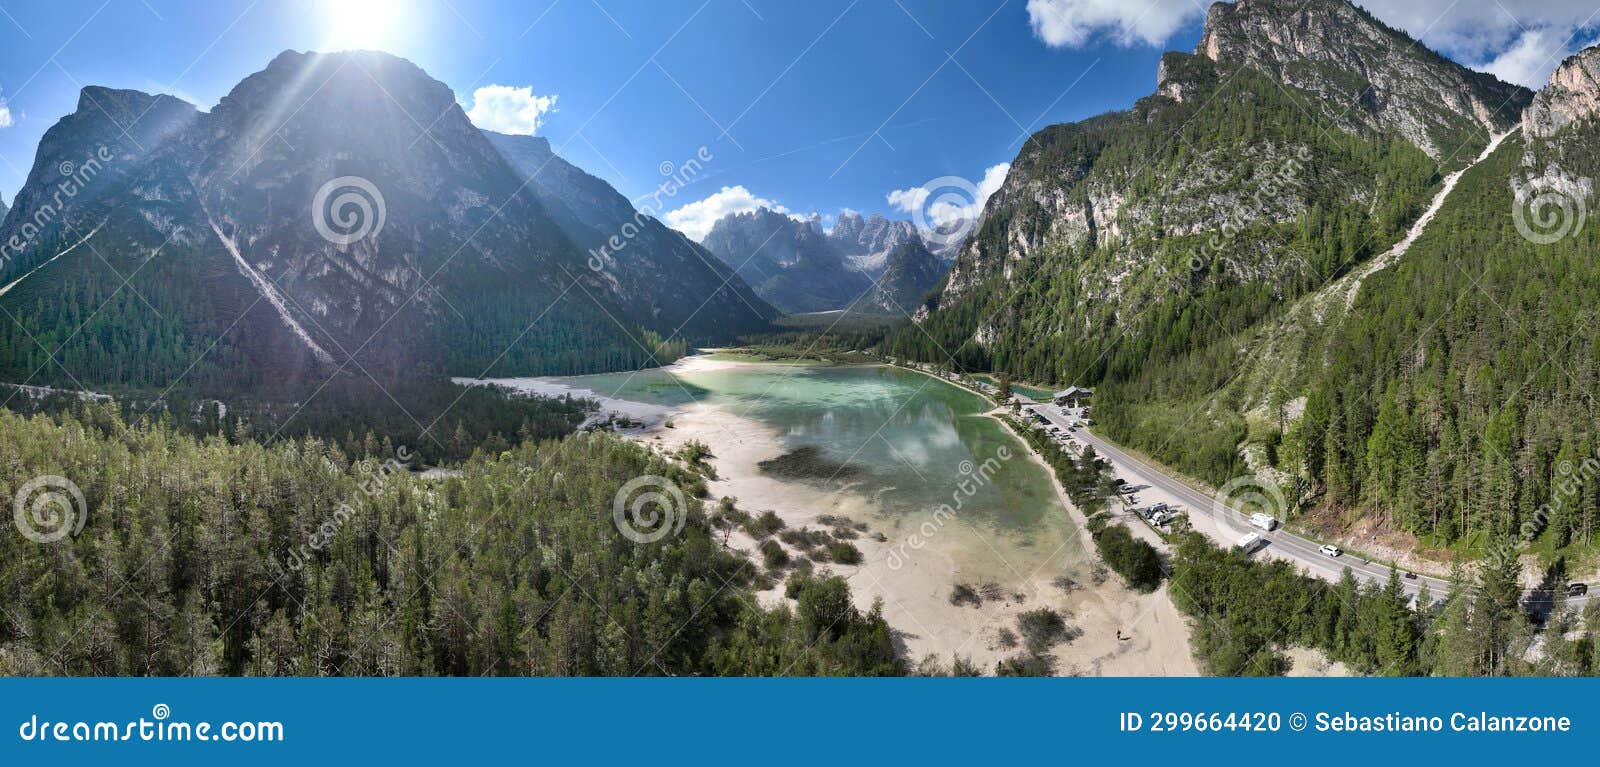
(348, 24)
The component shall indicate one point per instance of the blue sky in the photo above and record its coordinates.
(814, 106)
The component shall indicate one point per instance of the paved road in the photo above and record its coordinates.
(1301, 550)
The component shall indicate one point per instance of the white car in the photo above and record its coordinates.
(1330, 550)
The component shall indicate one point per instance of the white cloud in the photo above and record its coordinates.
(951, 203)
(5, 115)
(908, 200)
(696, 218)
(509, 109)
(993, 178)
(1530, 59)
(1071, 23)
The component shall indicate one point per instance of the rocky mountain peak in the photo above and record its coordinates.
(791, 263)
(867, 241)
(1572, 94)
(1363, 71)
(89, 152)
(848, 226)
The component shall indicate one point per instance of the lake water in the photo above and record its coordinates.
(913, 444)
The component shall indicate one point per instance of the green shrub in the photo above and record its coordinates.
(773, 555)
(1136, 561)
(844, 553)
(1043, 629)
(764, 525)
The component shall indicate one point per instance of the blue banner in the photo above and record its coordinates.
(787, 721)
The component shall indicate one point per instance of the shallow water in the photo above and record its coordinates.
(917, 445)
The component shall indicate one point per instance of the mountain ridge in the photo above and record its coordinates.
(200, 218)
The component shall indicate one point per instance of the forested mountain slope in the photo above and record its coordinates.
(1194, 258)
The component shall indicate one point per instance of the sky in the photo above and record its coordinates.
(910, 108)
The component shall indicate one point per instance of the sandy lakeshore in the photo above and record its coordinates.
(1123, 632)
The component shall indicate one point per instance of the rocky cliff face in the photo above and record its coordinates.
(84, 156)
(1571, 96)
(1361, 72)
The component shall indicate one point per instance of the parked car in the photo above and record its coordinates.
(1152, 512)
(1330, 550)
(1577, 589)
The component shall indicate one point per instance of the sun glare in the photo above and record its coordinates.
(347, 24)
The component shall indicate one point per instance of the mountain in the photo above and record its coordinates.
(314, 223)
(1454, 398)
(792, 264)
(1360, 72)
(3, 210)
(910, 271)
(1286, 263)
(867, 264)
(81, 158)
(661, 277)
(866, 242)
(1570, 97)
(1225, 194)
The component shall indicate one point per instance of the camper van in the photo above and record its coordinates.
(1263, 521)
(1250, 542)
